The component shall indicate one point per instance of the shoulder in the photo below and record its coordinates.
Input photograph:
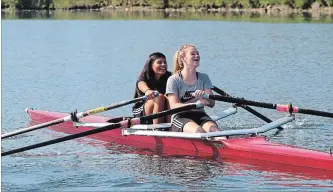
(174, 78)
(143, 76)
(203, 75)
(168, 74)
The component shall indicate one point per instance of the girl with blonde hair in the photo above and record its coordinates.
(187, 85)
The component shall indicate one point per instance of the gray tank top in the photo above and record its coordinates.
(176, 85)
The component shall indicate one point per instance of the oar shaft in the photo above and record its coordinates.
(286, 108)
(278, 107)
(58, 140)
(122, 124)
(28, 129)
(247, 108)
(315, 112)
(240, 101)
(113, 106)
(172, 111)
(77, 116)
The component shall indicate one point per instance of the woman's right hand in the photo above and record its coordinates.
(150, 94)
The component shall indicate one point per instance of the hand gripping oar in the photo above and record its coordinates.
(122, 124)
(247, 108)
(279, 107)
(75, 117)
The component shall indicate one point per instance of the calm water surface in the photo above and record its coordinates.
(63, 65)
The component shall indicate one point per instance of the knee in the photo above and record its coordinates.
(160, 99)
(213, 129)
(200, 130)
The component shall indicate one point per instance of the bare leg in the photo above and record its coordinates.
(167, 106)
(192, 127)
(154, 106)
(211, 126)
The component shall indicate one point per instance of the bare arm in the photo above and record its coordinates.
(207, 102)
(211, 103)
(142, 86)
(174, 101)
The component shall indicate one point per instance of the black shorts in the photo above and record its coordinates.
(179, 120)
(139, 111)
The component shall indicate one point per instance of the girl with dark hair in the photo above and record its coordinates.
(153, 77)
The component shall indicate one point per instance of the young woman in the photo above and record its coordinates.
(153, 76)
(187, 85)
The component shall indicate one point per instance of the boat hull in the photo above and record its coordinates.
(249, 149)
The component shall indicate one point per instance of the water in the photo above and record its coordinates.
(63, 65)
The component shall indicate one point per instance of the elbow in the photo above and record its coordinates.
(173, 105)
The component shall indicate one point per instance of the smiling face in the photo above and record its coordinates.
(159, 67)
(191, 57)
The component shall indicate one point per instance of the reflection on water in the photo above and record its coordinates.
(152, 15)
(196, 173)
(224, 164)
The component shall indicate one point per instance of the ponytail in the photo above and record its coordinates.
(177, 63)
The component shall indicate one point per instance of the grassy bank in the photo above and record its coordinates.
(166, 4)
(159, 15)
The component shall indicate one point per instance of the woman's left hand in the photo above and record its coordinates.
(198, 93)
(205, 102)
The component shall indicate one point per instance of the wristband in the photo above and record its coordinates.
(147, 90)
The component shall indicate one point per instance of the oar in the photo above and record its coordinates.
(122, 124)
(247, 108)
(279, 107)
(74, 117)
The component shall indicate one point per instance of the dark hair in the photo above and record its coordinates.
(147, 72)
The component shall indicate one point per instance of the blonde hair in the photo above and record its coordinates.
(178, 64)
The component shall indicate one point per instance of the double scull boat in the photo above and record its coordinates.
(251, 146)
(246, 145)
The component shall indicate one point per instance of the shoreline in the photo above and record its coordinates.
(267, 10)
(268, 14)
(263, 10)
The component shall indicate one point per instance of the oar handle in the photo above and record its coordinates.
(284, 108)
